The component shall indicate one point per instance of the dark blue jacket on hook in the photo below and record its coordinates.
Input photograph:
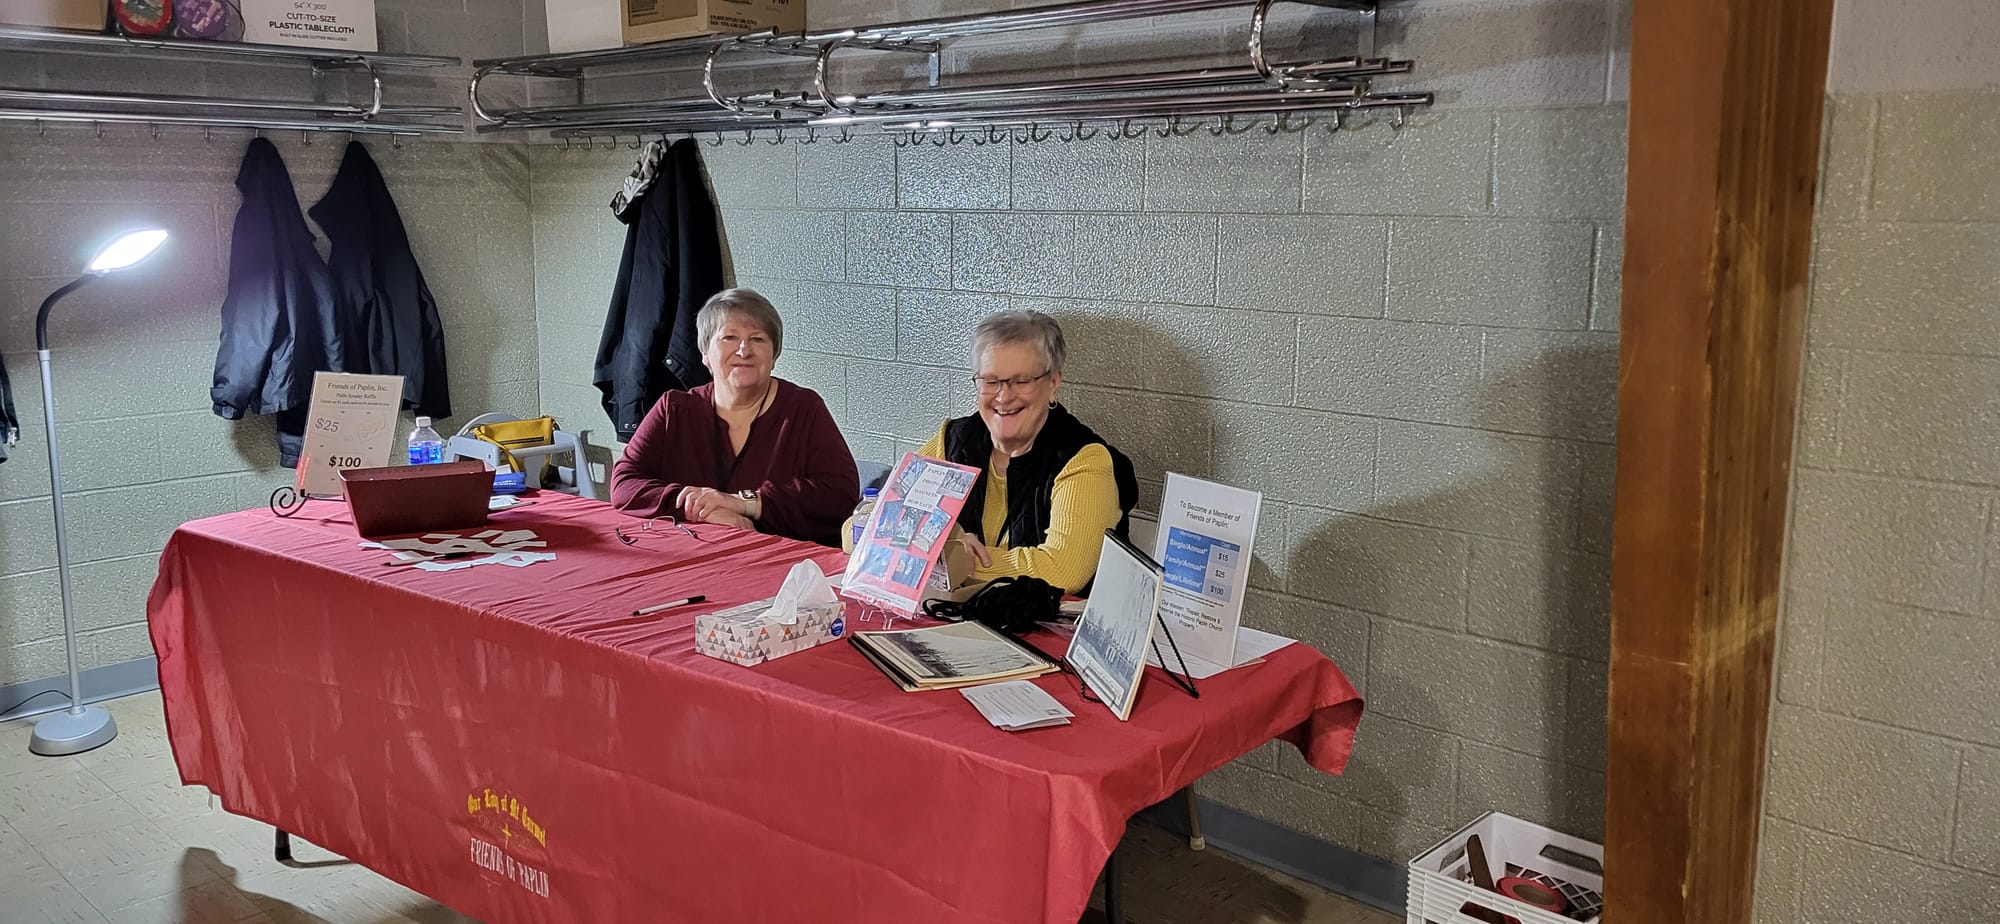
(671, 265)
(389, 321)
(277, 322)
(10, 424)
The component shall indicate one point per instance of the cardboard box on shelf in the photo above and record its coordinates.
(344, 24)
(79, 15)
(659, 20)
(584, 25)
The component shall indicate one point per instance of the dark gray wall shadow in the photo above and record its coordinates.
(1577, 621)
(1581, 614)
(1113, 355)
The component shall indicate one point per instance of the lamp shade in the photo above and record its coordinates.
(129, 248)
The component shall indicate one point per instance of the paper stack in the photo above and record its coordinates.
(753, 633)
(1017, 705)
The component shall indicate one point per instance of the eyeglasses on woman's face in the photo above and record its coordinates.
(990, 385)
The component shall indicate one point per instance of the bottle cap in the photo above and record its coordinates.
(423, 421)
(870, 492)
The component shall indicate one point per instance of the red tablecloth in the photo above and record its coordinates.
(514, 744)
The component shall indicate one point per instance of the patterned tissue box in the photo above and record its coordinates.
(745, 635)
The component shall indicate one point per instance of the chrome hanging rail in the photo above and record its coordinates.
(1262, 86)
(32, 38)
(220, 121)
(158, 109)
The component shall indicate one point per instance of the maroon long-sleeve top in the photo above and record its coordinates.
(794, 458)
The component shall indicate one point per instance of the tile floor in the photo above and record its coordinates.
(111, 837)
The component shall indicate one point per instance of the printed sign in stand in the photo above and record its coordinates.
(350, 424)
(1206, 532)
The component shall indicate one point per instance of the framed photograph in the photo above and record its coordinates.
(1112, 636)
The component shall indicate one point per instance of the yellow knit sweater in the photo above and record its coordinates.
(1082, 506)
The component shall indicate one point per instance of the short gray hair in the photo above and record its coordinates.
(1018, 325)
(745, 304)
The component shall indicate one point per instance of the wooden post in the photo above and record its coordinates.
(1724, 153)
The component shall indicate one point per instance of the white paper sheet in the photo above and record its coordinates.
(1016, 705)
(491, 547)
(1251, 645)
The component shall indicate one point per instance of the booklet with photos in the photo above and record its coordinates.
(951, 655)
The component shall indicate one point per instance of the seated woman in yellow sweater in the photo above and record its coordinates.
(1049, 487)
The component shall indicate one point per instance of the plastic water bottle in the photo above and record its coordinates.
(426, 446)
(861, 513)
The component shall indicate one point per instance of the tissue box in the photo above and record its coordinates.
(749, 635)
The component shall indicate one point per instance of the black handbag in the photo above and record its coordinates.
(1009, 604)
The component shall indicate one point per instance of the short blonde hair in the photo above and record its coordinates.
(745, 304)
(1020, 325)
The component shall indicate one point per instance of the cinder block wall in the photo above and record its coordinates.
(1405, 339)
(1885, 739)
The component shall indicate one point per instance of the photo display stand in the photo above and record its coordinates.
(1120, 622)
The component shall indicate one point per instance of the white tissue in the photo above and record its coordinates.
(805, 587)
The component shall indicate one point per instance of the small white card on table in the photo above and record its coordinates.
(1016, 705)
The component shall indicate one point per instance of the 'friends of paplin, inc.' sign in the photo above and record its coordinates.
(344, 24)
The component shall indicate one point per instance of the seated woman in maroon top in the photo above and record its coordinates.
(747, 450)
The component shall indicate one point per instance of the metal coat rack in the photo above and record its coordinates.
(370, 116)
(1171, 102)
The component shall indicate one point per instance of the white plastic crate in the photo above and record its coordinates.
(1441, 879)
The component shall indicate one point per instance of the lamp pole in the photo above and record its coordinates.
(78, 728)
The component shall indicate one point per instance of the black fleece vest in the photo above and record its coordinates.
(1031, 477)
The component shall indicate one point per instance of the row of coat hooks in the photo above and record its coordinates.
(158, 130)
(1036, 133)
(1295, 95)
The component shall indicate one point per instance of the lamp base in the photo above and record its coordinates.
(70, 732)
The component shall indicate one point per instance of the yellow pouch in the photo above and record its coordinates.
(520, 434)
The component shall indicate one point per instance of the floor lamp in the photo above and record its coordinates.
(80, 727)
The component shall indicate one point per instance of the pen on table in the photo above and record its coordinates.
(697, 598)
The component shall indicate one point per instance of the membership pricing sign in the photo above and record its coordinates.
(1206, 531)
(350, 424)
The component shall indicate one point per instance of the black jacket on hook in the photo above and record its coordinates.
(277, 322)
(10, 424)
(672, 263)
(387, 315)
